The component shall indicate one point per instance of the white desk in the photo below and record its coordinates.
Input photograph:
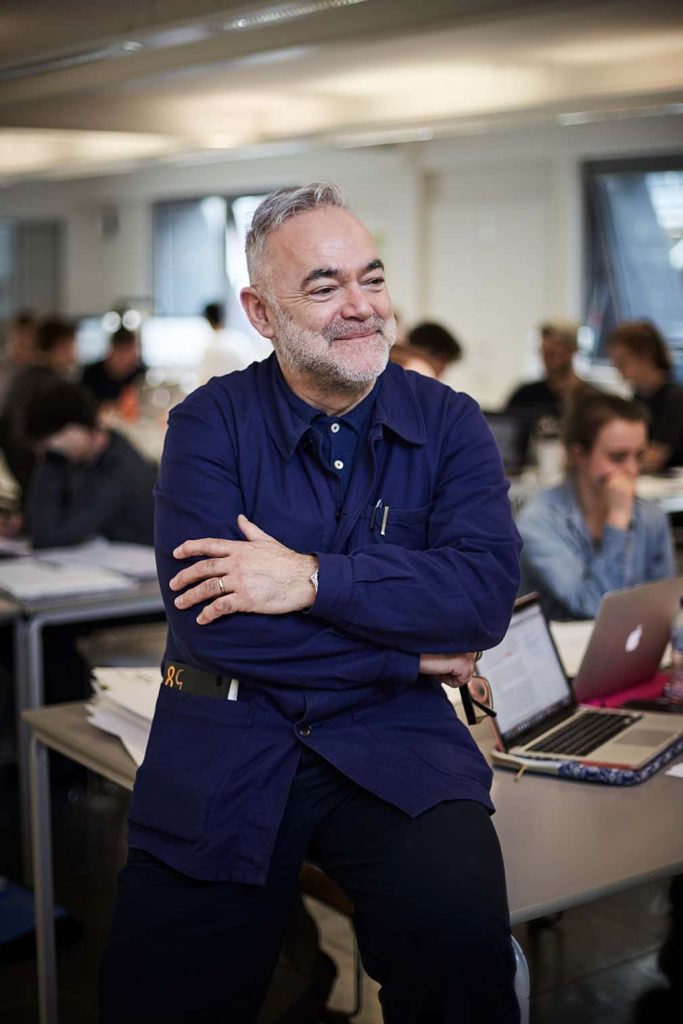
(564, 843)
(30, 619)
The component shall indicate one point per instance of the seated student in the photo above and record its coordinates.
(435, 344)
(52, 360)
(592, 534)
(120, 369)
(411, 359)
(642, 357)
(18, 349)
(549, 396)
(540, 406)
(228, 350)
(88, 481)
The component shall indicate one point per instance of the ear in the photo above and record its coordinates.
(258, 313)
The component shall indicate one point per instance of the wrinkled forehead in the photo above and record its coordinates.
(325, 238)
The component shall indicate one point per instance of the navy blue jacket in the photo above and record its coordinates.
(343, 677)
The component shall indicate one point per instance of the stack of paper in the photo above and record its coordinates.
(123, 705)
(134, 560)
(28, 579)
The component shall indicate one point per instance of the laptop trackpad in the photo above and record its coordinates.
(645, 737)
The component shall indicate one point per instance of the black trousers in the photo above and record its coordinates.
(431, 915)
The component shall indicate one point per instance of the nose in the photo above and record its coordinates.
(356, 305)
(633, 466)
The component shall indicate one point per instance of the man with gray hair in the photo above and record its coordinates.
(334, 540)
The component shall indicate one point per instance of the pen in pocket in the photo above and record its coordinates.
(384, 509)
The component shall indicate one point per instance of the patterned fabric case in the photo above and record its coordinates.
(589, 772)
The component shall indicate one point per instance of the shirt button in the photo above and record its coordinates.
(338, 464)
(305, 730)
(335, 428)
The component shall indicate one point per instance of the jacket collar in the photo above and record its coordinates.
(396, 407)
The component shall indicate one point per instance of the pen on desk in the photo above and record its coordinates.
(385, 516)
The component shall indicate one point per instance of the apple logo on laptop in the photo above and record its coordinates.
(633, 640)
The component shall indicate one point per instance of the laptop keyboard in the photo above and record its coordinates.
(584, 733)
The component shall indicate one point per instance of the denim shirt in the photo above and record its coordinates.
(438, 572)
(570, 570)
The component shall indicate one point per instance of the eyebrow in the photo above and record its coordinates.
(319, 272)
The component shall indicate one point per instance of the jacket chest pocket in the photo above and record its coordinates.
(405, 527)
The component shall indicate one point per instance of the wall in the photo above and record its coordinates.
(483, 232)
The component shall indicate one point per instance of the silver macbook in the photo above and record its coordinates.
(630, 635)
(537, 715)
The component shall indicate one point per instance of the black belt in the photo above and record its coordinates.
(189, 679)
(194, 680)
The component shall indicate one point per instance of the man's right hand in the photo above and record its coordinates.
(450, 669)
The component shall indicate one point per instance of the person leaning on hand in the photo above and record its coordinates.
(333, 539)
(592, 534)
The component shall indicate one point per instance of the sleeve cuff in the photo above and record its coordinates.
(334, 586)
(401, 667)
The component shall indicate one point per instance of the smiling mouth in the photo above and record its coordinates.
(357, 337)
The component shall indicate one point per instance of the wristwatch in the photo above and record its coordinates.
(314, 580)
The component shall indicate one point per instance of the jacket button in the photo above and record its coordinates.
(305, 730)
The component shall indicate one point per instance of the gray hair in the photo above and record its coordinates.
(277, 208)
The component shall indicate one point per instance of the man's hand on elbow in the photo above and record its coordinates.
(254, 575)
(450, 669)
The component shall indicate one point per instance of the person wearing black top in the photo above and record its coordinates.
(641, 355)
(88, 481)
(52, 360)
(121, 368)
(548, 399)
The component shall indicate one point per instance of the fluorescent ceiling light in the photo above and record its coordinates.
(577, 117)
(383, 137)
(262, 17)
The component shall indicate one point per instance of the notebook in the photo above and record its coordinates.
(630, 635)
(538, 718)
(28, 579)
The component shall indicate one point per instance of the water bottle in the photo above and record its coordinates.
(674, 685)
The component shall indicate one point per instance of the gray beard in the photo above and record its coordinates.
(295, 347)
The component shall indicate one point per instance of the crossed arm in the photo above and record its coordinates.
(261, 576)
(253, 588)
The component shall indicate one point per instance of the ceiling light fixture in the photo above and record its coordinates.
(164, 39)
(276, 13)
(383, 137)
(578, 117)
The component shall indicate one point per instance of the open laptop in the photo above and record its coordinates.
(632, 629)
(538, 717)
(511, 434)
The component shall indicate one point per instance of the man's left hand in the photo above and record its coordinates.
(254, 575)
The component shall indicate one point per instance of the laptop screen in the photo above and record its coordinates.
(525, 674)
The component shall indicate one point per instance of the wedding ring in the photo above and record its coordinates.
(220, 584)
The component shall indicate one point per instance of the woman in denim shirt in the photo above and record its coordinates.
(592, 534)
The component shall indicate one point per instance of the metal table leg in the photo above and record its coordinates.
(43, 888)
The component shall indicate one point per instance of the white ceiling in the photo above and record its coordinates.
(87, 86)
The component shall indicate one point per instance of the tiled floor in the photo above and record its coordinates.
(590, 967)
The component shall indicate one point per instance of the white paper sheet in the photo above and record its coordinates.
(133, 735)
(133, 689)
(676, 770)
(29, 579)
(123, 705)
(134, 560)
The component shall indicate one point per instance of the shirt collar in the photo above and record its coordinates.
(289, 417)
